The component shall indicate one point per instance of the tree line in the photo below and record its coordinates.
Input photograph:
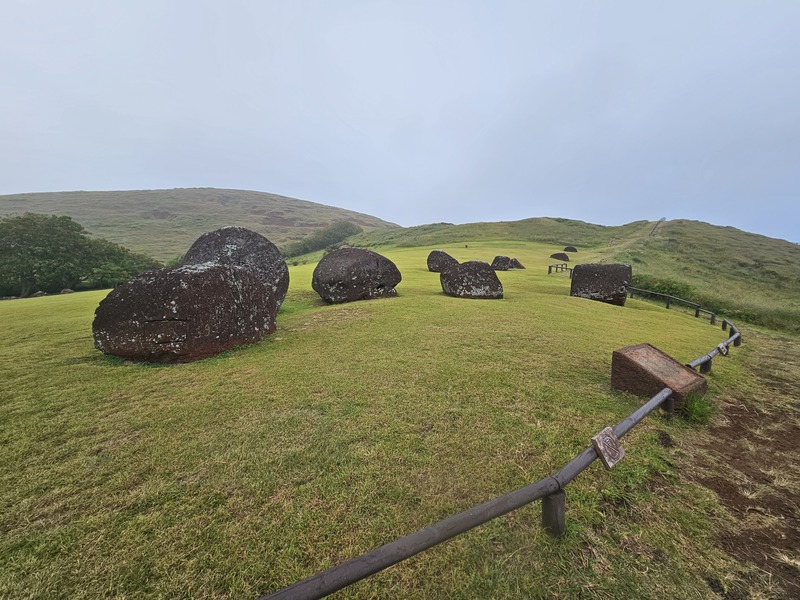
(324, 238)
(50, 253)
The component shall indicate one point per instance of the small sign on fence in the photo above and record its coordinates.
(608, 447)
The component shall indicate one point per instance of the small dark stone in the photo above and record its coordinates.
(241, 247)
(515, 264)
(603, 282)
(184, 314)
(439, 260)
(471, 279)
(501, 263)
(560, 256)
(67, 291)
(570, 249)
(351, 274)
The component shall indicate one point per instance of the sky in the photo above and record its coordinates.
(416, 111)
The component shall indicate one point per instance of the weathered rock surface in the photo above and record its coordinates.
(560, 256)
(515, 264)
(439, 260)
(570, 249)
(351, 274)
(243, 248)
(501, 263)
(184, 314)
(67, 291)
(603, 282)
(471, 279)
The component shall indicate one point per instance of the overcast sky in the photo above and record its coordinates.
(415, 111)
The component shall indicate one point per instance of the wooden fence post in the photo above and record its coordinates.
(706, 366)
(553, 514)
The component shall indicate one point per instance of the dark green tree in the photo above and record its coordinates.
(332, 234)
(42, 252)
(50, 253)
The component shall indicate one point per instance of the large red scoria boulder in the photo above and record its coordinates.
(243, 248)
(184, 314)
(603, 282)
(350, 274)
(439, 260)
(471, 279)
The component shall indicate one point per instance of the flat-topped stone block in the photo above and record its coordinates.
(645, 370)
(603, 282)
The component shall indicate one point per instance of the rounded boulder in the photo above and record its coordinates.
(244, 248)
(184, 314)
(471, 279)
(439, 260)
(351, 274)
(501, 263)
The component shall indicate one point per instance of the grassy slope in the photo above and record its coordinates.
(164, 223)
(748, 277)
(351, 425)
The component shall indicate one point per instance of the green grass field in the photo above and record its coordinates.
(350, 426)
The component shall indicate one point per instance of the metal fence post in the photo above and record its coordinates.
(553, 514)
(668, 406)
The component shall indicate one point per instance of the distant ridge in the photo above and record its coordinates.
(164, 223)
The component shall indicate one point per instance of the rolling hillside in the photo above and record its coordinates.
(164, 223)
(743, 275)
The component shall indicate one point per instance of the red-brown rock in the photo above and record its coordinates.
(351, 274)
(501, 263)
(603, 282)
(184, 314)
(243, 248)
(471, 279)
(439, 260)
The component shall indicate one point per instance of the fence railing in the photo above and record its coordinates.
(549, 489)
(555, 268)
(670, 300)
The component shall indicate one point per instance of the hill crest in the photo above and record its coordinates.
(164, 223)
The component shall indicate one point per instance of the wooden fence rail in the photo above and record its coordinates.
(555, 268)
(549, 489)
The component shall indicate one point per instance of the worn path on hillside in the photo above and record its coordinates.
(750, 457)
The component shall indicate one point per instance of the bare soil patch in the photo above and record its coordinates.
(750, 457)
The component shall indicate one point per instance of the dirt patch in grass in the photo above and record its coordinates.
(750, 457)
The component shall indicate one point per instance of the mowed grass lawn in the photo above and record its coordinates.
(350, 426)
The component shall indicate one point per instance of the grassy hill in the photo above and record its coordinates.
(164, 223)
(743, 275)
(351, 425)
